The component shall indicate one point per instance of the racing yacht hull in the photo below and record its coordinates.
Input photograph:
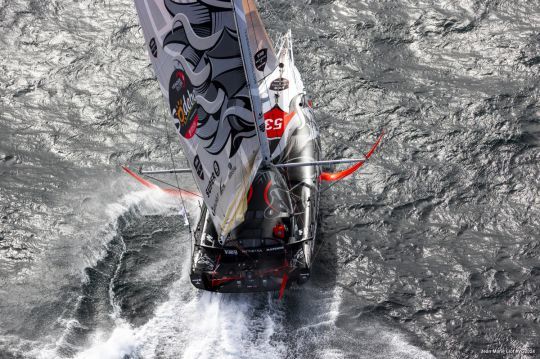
(274, 246)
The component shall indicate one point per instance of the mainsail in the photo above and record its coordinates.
(208, 61)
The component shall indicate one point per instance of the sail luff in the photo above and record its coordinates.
(250, 70)
(264, 54)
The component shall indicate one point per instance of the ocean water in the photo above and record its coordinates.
(431, 251)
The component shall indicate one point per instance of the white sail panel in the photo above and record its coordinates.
(195, 51)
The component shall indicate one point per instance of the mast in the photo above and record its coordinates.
(249, 67)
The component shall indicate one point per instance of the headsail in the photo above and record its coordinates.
(244, 22)
(195, 49)
(263, 56)
(276, 86)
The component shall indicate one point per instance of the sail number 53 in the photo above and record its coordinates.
(273, 124)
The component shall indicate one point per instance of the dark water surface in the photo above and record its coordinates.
(432, 251)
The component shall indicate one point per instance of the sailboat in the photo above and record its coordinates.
(247, 128)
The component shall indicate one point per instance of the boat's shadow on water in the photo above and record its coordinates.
(151, 293)
(138, 301)
(129, 281)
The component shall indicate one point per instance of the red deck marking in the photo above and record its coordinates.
(330, 177)
(224, 280)
(250, 194)
(283, 285)
(272, 271)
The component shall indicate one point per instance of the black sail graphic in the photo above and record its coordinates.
(197, 56)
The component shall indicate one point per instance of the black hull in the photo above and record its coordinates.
(274, 246)
(247, 270)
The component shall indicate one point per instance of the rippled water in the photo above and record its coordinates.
(432, 251)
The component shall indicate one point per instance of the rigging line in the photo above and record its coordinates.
(322, 242)
(182, 202)
(172, 185)
(186, 216)
(176, 175)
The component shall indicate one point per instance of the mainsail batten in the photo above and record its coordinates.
(199, 61)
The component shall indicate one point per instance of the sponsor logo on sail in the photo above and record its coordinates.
(261, 58)
(212, 181)
(198, 167)
(183, 105)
